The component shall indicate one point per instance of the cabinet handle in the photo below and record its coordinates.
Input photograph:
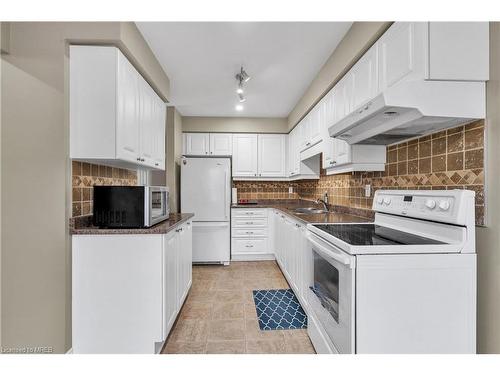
(248, 245)
(142, 159)
(211, 152)
(256, 175)
(260, 174)
(249, 222)
(249, 232)
(249, 213)
(156, 164)
(138, 159)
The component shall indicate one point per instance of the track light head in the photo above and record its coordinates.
(241, 98)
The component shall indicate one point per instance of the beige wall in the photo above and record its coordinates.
(36, 181)
(234, 124)
(488, 238)
(358, 39)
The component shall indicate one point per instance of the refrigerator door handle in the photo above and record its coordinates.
(225, 194)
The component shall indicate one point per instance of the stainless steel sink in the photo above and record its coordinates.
(309, 210)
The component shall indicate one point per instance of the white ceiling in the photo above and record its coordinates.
(202, 58)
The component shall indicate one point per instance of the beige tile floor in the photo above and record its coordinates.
(219, 315)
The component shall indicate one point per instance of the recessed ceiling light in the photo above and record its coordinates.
(239, 107)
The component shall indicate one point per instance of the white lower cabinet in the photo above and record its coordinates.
(292, 253)
(127, 289)
(250, 234)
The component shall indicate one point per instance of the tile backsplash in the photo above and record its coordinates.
(449, 159)
(85, 176)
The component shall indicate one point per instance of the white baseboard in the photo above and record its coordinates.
(251, 257)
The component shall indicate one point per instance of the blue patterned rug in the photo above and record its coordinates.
(279, 309)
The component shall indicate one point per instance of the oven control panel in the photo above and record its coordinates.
(439, 205)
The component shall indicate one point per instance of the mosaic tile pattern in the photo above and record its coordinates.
(279, 309)
(85, 176)
(449, 159)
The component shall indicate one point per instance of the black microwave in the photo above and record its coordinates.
(130, 206)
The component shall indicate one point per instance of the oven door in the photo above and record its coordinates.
(332, 293)
(158, 205)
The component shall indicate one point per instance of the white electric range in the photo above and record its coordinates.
(405, 283)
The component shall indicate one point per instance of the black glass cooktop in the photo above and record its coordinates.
(372, 235)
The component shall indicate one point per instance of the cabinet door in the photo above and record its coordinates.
(127, 122)
(245, 155)
(304, 133)
(402, 51)
(147, 122)
(159, 134)
(221, 144)
(271, 155)
(327, 107)
(196, 143)
(341, 153)
(365, 78)
(185, 256)
(343, 97)
(170, 286)
(316, 118)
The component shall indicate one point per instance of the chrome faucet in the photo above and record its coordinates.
(325, 205)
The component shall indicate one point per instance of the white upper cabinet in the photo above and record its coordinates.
(402, 53)
(152, 120)
(128, 100)
(316, 118)
(342, 97)
(221, 144)
(196, 144)
(245, 155)
(271, 152)
(365, 78)
(116, 118)
(159, 131)
(310, 129)
(459, 51)
(293, 152)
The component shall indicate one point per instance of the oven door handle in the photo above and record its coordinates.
(331, 252)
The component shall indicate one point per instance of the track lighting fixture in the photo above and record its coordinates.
(241, 77)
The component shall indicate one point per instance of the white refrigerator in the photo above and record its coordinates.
(206, 192)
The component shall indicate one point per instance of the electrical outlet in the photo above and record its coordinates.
(368, 191)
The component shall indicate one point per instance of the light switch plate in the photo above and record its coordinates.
(368, 191)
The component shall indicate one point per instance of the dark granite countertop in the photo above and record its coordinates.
(83, 226)
(337, 214)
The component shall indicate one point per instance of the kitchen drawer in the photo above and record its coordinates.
(249, 232)
(249, 221)
(249, 245)
(246, 212)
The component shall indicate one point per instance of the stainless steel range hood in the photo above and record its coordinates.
(412, 109)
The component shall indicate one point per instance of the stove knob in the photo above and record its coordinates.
(444, 205)
(430, 203)
(380, 200)
(387, 201)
